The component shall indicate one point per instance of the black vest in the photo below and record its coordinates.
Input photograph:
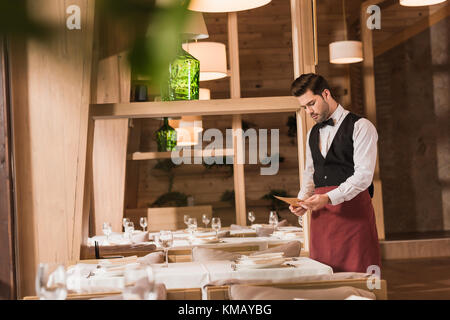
(338, 164)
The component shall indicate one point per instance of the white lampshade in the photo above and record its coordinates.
(212, 57)
(419, 3)
(225, 5)
(343, 52)
(195, 27)
(205, 94)
(188, 130)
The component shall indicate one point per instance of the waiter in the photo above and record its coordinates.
(337, 183)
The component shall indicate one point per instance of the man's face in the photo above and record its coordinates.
(315, 105)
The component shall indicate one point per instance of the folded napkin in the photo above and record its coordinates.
(262, 259)
(286, 235)
(237, 227)
(290, 249)
(264, 231)
(152, 258)
(205, 254)
(118, 261)
(283, 223)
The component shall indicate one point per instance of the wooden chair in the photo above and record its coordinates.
(167, 218)
(222, 292)
(185, 255)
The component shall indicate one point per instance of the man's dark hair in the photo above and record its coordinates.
(310, 81)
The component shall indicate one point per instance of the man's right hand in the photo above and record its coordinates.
(298, 211)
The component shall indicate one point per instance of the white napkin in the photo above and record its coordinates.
(276, 257)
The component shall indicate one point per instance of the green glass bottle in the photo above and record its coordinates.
(184, 78)
(166, 137)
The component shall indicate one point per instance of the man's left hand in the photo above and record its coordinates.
(316, 202)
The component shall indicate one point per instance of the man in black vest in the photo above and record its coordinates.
(337, 184)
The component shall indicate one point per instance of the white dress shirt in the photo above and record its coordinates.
(365, 139)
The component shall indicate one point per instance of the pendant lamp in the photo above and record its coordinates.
(346, 52)
(225, 5)
(195, 27)
(419, 3)
(188, 130)
(212, 57)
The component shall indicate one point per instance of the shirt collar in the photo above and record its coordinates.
(337, 114)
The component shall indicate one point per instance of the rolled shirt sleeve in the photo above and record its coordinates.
(365, 139)
(307, 188)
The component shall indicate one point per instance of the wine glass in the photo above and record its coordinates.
(139, 283)
(192, 224)
(51, 282)
(129, 228)
(107, 230)
(300, 221)
(186, 219)
(216, 225)
(143, 223)
(165, 240)
(273, 219)
(124, 222)
(206, 220)
(251, 216)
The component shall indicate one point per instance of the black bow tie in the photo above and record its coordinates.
(329, 122)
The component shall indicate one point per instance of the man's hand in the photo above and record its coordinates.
(316, 202)
(298, 211)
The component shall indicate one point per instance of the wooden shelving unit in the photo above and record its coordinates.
(139, 156)
(113, 142)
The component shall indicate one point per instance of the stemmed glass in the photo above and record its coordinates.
(143, 223)
(129, 228)
(165, 240)
(216, 225)
(51, 282)
(107, 230)
(273, 219)
(206, 220)
(192, 227)
(124, 222)
(251, 216)
(300, 221)
(186, 220)
(139, 283)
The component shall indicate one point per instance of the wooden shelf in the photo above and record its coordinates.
(197, 107)
(168, 155)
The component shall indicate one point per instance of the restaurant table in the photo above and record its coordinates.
(196, 275)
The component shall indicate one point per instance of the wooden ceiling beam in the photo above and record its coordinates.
(409, 32)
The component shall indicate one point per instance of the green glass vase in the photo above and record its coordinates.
(166, 137)
(184, 78)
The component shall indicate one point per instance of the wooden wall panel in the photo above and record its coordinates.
(7, 232)
(109, 163)
(50, 98)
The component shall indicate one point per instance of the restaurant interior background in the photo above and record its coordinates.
(411, 81)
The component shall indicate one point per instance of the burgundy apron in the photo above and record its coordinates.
(345, 236)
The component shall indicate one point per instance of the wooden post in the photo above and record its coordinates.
(370, 109)
(303, 47)
(7, 252)
(50, 89)
(238, 142)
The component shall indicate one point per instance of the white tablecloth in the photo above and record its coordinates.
(197, 275)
